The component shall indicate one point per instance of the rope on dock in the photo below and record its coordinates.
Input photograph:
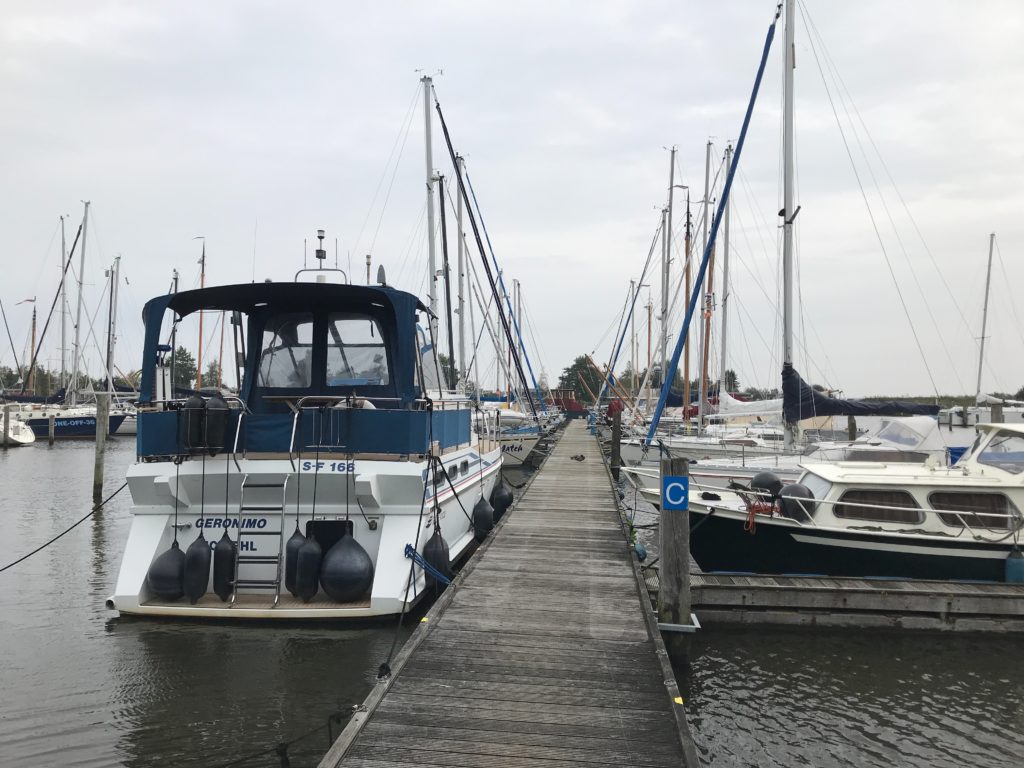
(92, 512)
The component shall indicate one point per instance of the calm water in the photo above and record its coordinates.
(82, 689)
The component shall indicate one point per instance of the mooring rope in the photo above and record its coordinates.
(92, 512)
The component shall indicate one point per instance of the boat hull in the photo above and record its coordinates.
(71, 427)
(385, 501)
(780, 546)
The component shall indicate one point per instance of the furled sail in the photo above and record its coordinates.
(800, 401)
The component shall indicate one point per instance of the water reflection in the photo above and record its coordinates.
(767, 697)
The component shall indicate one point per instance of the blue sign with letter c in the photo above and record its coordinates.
(675, 493)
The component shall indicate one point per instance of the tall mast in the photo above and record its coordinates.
(686, 347)
(725, 284)
(112, 323)
(632, 336)
(462, 276)
(199, 354)
(220, 357)
(63, 306)
(32, 351)
(666, 260)
(704, 328)
(432, 263)
(787, 205)
(984, 312)
(647, 377)
(78, 309)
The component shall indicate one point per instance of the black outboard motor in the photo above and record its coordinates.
(347, 570)
(483, 519)
(501, 499)
(436, 553)
(797, 502)
(307, 568)
(190, 424)
(224, 555)
(291, 560)
(197, 568)
(216, 424)
(767, 486)
(166, 576)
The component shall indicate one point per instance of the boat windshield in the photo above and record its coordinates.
(899, 433)
(1006, 451)
(287, 356)
(356, 355)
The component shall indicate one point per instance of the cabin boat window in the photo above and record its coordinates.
(899, 433)
(286, 360)
(1005, 451)
(356, 355)
(881, 506)
(428, 363)
(976, 509)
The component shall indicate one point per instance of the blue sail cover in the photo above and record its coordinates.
(801, 401)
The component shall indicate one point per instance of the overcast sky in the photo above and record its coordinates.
(253, 124)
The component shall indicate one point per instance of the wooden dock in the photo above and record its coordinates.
(543, 651)
(846, 602)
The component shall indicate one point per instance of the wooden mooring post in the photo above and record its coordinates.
(674, 546)
(616, 461)
(7, 424)
(51, 429)
(851, 428)
(102, 427)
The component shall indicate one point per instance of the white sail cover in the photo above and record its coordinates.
(984, 399)
(730, 406)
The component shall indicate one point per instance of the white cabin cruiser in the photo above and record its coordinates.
(864, 518)
(323, 488)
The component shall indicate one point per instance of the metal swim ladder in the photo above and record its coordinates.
(248, 511)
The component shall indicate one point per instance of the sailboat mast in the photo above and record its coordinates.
(199, 354)
(432, 255)
(78, 310)
(984, 312)
(686, 347)
(632, 338)
(703, 329)
(666, 259)
(220, 357)
(63, 306)
(462, 278)
(725, 284)
(787, 204)
(112, 323)
(32, 351)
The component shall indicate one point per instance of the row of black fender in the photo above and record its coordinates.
(345, 572)
(203, 424)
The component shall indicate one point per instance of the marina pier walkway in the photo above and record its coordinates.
(542, 652)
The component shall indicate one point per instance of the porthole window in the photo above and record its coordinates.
(464, 467)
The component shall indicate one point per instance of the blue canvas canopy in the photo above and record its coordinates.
(801, 401)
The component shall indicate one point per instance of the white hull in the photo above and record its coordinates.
(18, 433)
(516, 448)
(383, 499)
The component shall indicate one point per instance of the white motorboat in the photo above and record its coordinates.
(18, 433)
(862, 518)
(338, 462)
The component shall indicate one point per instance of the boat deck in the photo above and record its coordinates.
(542, 652)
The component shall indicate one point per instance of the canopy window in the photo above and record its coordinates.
(286, 359)
(356, 354)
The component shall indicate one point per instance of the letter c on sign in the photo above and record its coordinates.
(675, 493)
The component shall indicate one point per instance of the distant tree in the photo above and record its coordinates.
(184, 368)
(732, 382)
(1019, 395)
(211, 376)
(578, 377)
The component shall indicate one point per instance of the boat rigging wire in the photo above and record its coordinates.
(66, 531)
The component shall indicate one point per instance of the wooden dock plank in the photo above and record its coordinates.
(542, 652)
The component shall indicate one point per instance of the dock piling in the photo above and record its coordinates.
(102, 427)
(674, 571)
(51, 429)
(7, 424)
